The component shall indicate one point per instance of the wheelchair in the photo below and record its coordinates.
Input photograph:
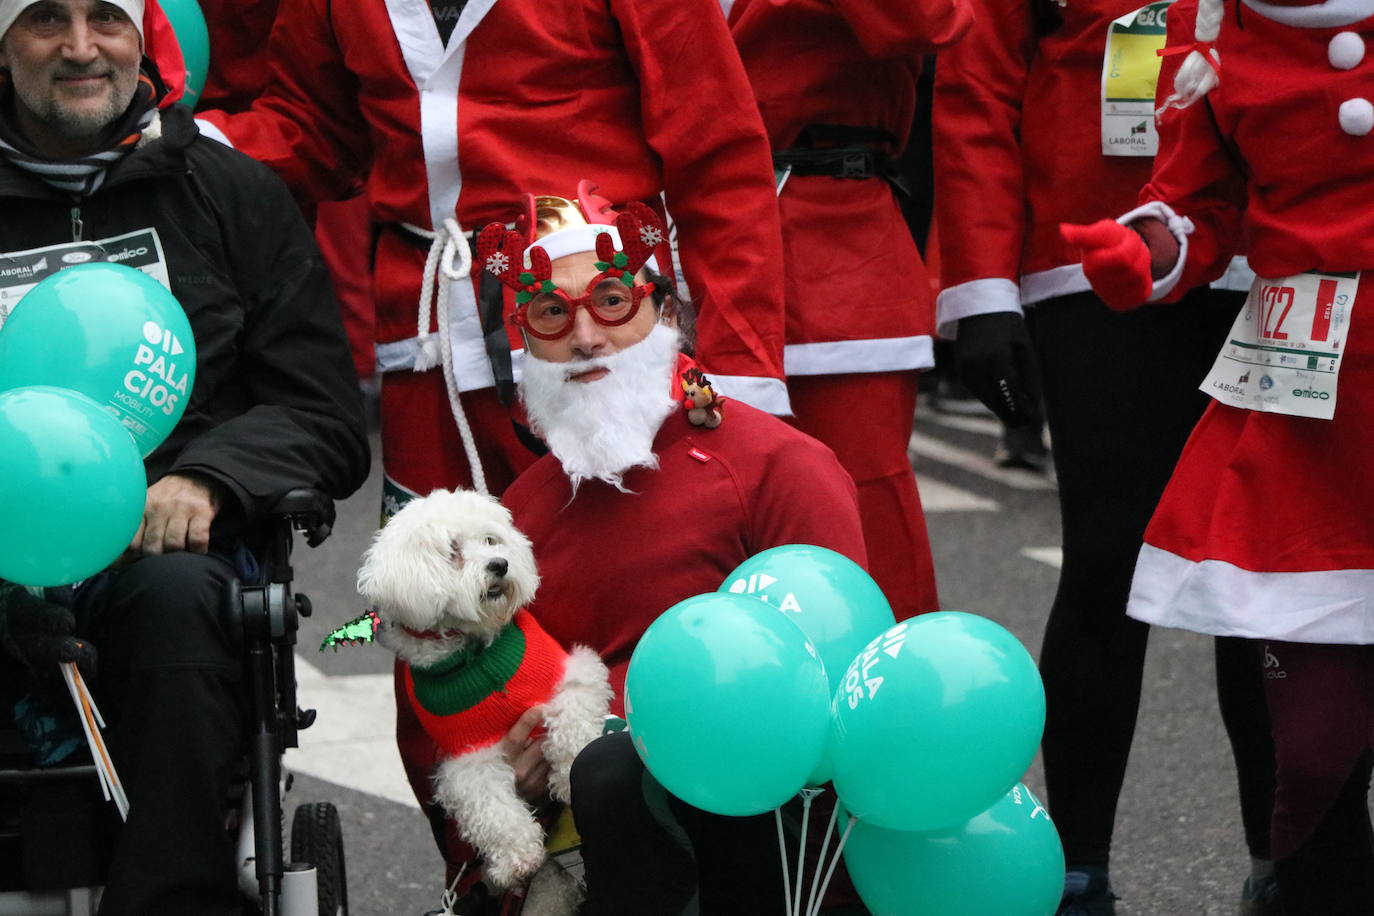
(50, 862)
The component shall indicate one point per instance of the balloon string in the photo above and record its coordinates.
(825, 847)
(830, 872)
(782, 851)
(808, 795)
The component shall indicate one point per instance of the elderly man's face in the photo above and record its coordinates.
(74, 66)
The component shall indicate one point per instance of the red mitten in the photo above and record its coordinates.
(1116, 261)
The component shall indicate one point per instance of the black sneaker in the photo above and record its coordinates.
(1087, 893)
(1260, 897)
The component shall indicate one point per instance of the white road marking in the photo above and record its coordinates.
(965, 459)
(969, 423)
(938, 496)
(1050, 556)
(353, 740)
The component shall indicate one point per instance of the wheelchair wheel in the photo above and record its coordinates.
(317, 838)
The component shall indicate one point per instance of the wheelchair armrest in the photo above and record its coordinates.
(310, 511)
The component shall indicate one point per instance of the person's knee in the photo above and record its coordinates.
(604, 776)
(169, 608)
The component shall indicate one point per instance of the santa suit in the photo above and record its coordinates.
(1022, 147)
(858, 298)
(525, 96)
(1267, 527)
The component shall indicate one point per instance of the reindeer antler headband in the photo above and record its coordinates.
(622, 249)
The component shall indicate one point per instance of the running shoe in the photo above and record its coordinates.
(1087, 893)
(1260, 897)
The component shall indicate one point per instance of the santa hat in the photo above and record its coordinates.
(154, 33)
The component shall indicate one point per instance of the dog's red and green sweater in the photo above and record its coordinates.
(471, 699)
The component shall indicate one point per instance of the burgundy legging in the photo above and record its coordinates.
(1321, 705)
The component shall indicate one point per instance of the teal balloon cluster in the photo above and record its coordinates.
(71, 482)
(112, 333)
(97, 362)
(926, 728)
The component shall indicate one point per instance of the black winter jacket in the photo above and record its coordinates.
(275, 403)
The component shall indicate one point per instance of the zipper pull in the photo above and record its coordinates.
(77, 225)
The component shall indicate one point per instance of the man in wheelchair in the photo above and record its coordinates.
(91, 152)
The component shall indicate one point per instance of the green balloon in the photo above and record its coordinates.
(1007, 861)
(71, 483)
(934, 721)
(188, 24)
(112, 333)
(838, 605)
(728, 704)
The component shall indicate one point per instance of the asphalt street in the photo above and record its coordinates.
(1178, 847)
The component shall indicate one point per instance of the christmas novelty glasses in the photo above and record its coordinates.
(612, 297)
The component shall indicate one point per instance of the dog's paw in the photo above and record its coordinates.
(513, 866)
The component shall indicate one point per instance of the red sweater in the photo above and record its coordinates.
(611, 562)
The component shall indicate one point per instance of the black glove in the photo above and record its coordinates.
(39, 633)
(995, 360)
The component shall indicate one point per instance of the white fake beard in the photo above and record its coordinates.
(599, 430)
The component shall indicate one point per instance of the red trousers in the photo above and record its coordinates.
(866, 419)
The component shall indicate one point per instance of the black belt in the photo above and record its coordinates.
(491, 307)
(842, 152)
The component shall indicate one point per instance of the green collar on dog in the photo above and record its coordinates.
(463, 679)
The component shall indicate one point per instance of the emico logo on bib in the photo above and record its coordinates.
(96, 365)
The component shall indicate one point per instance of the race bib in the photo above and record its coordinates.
(1284, 351)
(1130, 72)
(21, 271)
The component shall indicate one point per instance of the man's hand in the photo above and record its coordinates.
(1116, 261)
(39, 633)
(995, 360)
(526, 756)
(177, 516)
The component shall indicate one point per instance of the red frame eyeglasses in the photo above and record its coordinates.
(534, 318)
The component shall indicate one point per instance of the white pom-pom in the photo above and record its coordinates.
(1345, 51)
(1357, 117)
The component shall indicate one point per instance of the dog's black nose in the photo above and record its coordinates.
(497, 567)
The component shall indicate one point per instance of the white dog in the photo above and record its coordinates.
(449, 576)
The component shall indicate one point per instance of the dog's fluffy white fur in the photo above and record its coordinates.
(453, 566)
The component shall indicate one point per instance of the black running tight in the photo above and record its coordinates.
(1121, 396)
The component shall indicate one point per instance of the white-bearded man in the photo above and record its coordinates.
(635, 508)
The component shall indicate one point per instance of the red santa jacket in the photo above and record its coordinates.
(858, 299)
(1273, 156)
(638, 95)
(1019, 150)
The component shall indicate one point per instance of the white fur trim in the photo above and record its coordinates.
(579, 240)
(1329, 15)
(478, 789)
(1334, 606)
(1053, 283)
(768, 394)
(976, 297)
(1180, 226)
(1345, 50)
(884, 354)
(1357, 117)
(574, 715)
